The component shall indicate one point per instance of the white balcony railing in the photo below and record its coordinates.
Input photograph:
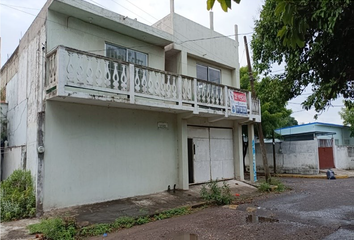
(82, 71)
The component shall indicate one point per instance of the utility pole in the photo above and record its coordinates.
(274, 160)
(259, 125)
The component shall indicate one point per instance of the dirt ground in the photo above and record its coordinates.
(314, 209)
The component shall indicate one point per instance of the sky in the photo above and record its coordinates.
(17, 15)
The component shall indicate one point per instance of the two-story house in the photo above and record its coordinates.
(102, 107)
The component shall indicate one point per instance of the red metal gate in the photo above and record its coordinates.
(325, 153)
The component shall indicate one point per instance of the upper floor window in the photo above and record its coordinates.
(208, 73)
(126, 54)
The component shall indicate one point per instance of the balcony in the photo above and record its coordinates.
(82, 77)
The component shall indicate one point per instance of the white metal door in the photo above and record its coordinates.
(213, 153)
(221, 153)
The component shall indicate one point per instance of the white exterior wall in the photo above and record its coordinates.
(96, 154)
(218, 50)
(17, 111)
(342, 158)
(11, 161)
(89, 37)
(296, 157)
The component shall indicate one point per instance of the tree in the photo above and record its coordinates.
(315, 39)
(225, 4)
(273, 110)
(347, 114)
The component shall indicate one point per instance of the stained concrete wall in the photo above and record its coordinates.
(14, 158)
(294, 157)
(344, 157)
(92, 38)
(96, 154)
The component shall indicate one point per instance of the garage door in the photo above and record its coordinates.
(212, 156)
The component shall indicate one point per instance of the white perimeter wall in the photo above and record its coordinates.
(342, 159)
(95, 154)
(296, 157)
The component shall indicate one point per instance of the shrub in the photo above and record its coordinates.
(264, 187)
(212, 192)
(55, 228)
(267, 187)
(17, 197)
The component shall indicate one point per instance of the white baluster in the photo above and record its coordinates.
(99, 73)
(152, 78)
(221, 97)
(157, 84)
(123, 78)
(89, 72)
(80, 70)
(208, 93)
(137, 80)
(168, 87)
(144, 81)
(70, 69)
(174, 87)
(115, 76)
(107, 76)
(162, 88)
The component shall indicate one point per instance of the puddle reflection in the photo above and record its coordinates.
(256, 219)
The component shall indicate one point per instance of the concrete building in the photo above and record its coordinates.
(307, 148)
(102, 107)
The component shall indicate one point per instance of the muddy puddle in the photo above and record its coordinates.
(257, 219)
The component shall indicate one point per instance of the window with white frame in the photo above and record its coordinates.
(126, 54)
(208, 73)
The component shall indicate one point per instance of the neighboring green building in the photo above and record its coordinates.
(340, 133)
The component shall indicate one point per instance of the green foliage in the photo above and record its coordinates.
(58, 228)
(55, 228)
(213, 193)
(264, 187)
(273, 111)
(347, 114)
(173, 212)
(314, 40)
(17, 197)
(267, 187)
(224, 4)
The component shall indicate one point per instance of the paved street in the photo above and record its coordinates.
(314, 209)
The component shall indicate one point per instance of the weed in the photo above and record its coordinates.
(55, 228)
(264, 187)
(212, 192)
(17, 197)
(124, 222)
(267, 187)
(142, 220)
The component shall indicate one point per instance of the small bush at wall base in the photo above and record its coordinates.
(212, 192)
(274, 183)
(17, 197)
(55, 228)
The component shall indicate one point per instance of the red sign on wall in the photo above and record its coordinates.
(238, 102)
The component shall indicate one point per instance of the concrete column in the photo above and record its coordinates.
(183, 182)
(252, 153)
(182, 61)
(238, 154)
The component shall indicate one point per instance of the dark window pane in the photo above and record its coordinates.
(202, 72)
(214, 75)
